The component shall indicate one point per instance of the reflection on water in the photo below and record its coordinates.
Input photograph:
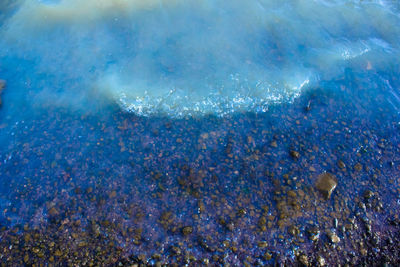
(195, 57)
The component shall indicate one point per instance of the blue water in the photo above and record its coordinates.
(117, 112)
(180, 58)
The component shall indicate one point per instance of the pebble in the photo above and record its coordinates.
(358, 167)
(267, 256)
(2, 85)
(262, 244)
(187, 230)
(326, 183)
(294, 154)
(368, 194)
(321, 261)
(333, 237)
(304, 260)
(274, 144)
(341, 164)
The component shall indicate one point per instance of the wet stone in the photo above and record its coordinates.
(294, 231)
(187, 230)
(267, 256)
(304, 260)
(313, 233)
(333, 237)
(294, 154)
(326, 183)
(262, 244)
(358, 167)
(341, 164)
(321, 261)
(53, 211)
(113, 194)
(2, 85)
(368, 194)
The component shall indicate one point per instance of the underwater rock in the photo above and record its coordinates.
(341, 164)
(326, 183)
(2, 86)
(303, 259)
(294, 154)
(333, 237)
(187, 230)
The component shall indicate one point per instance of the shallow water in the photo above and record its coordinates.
(194, 132)
(180, 58)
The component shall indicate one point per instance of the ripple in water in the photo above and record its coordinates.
(196, 57)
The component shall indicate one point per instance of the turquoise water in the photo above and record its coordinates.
(180, 58)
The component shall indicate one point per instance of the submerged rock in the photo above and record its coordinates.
(294, 154)
(333, 237)
(326, 183)
(2, 86)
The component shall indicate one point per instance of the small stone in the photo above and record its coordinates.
(313, 233)
(364, 252)
(187, 230)
(292, 193)
(206, 261)
(321, 261)
(53, 211)
(113, 194)
(334, 238)
(308, 106)
(294, 154)
(294, 231)
(304, 260)
(267, 256)
(58, 253)
(2, 85)
(176, 250)
(358, 167)
(326, 183)
(341, 164)
(368, 194)
(262, 244)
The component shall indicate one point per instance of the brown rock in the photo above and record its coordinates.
(187, 230)
(358, 167)
(294, 154)
(326, 183)
(2, 85)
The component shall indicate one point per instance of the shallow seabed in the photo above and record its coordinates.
(87, 182)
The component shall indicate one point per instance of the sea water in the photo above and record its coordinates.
(179, 58)
(152, 130)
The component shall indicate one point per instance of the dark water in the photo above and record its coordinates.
(84, 180)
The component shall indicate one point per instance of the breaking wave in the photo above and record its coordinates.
(195, 57)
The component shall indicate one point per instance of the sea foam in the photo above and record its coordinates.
(195, 57)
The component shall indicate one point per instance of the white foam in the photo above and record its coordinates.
(197, 57)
